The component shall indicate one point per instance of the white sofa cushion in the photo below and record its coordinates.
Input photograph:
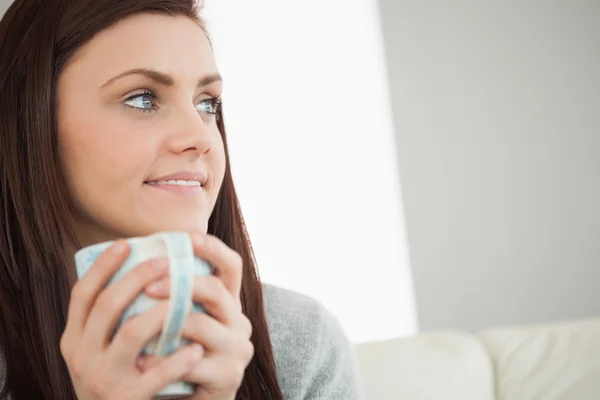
(430, 366)
(550, 362)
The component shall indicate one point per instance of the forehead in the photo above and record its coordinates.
(175, 45)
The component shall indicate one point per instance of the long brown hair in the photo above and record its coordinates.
(37, 39)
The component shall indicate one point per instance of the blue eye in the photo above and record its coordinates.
(209, 106)
(142, 102)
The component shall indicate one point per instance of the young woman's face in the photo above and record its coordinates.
(137, 131)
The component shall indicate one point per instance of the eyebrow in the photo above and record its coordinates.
(161, 78)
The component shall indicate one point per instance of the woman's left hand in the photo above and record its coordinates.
(225, 333)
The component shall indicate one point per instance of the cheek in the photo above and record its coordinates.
(100, 155)
(219, 162)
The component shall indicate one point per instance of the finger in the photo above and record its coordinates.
(159, 289)
(211, 293)
(169, 370)
(85, 290)
(146, 362)
(135, 333)
(215, 337)
(112, 302)
(217, 374)
(227, 263)
(212, 336)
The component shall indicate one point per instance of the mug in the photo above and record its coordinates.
(183, 266)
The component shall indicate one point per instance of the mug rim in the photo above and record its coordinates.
(132, 240)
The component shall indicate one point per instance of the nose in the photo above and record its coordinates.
(189, 133)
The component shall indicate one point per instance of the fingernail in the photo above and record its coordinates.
(119, 247)
(160, 263)
(156, 286)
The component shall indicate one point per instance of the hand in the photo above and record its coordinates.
(224, 332)
(105, 369)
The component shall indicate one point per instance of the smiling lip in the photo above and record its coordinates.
(185, 182)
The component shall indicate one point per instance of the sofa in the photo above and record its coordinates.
(558, 361)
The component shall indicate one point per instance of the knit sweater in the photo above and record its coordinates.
(313, 357)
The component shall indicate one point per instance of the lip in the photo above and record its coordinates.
(181, 176)
(180, 189)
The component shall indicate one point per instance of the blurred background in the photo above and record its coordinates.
(418, 164)
(421, 164)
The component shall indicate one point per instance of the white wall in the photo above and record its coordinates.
(4, 6)
(497, 113)
(312, 146)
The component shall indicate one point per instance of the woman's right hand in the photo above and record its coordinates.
(102, 368)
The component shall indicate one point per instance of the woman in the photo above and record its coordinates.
(111, 126)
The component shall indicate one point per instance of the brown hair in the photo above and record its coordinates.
(37, 39)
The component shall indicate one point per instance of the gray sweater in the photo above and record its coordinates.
(314, 358)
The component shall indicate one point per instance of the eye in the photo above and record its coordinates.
(209, 106)
(143, 101)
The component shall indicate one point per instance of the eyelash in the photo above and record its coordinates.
(214, 101)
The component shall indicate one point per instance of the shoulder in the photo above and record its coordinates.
(284, 306)
(298, 318)
(313, 355)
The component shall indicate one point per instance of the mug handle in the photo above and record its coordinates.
(181, 271)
